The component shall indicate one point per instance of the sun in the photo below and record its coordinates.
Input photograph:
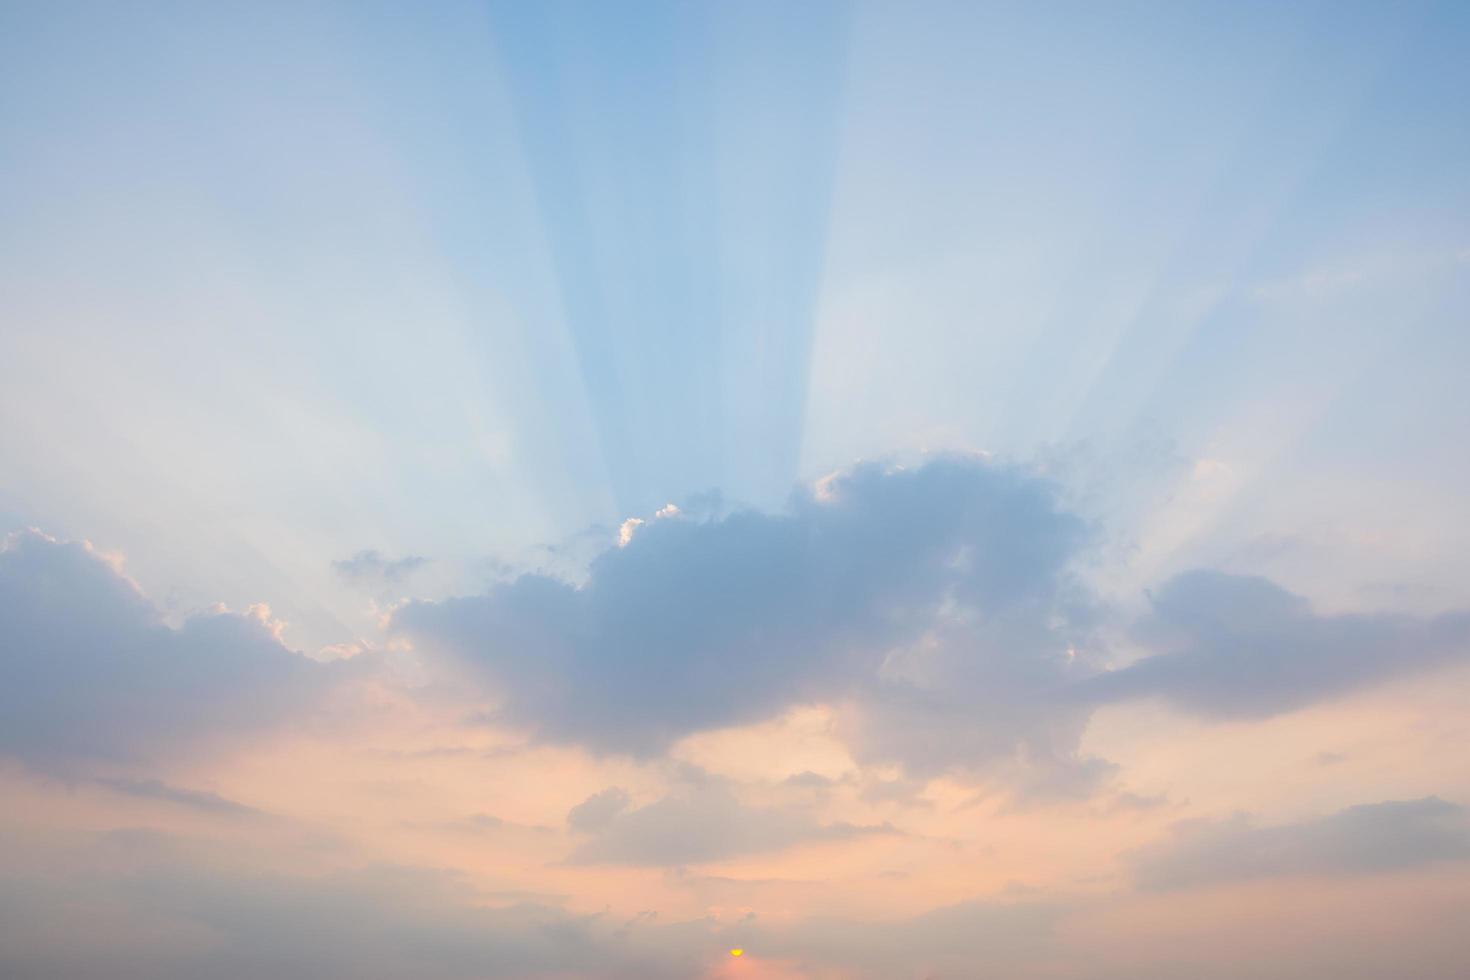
(737, 952)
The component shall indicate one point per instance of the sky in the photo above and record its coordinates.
(546, 490)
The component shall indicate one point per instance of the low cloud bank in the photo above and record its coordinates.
(1375, 837)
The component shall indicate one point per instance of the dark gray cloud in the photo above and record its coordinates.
(1374, 837)
(938, 597)
(1242, 647)
(93, 673)
(701, 819)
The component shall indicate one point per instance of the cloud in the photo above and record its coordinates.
(371, 568)
(1242, 647)
(1128, 801)
(387, 922)
(176, 913)
(153, 789)
(182, 911)
(599, 809)
(937, 598)
(969, 939)
(699, 820)
(93, 673)
(935, 609)
(1375, 837)
(985, 694)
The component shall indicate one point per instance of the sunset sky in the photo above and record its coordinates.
(900, 490)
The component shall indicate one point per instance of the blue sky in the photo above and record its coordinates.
(475, 278)
(363, 311)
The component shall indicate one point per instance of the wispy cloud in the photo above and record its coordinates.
(1375, 837)
(153, 789)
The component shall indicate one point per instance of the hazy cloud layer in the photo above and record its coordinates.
(1374, 837)
(389, 922)
(699, 820)
(93, 673)
(989, 939)
(184, 910)
(175, 920)
(179, 913)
